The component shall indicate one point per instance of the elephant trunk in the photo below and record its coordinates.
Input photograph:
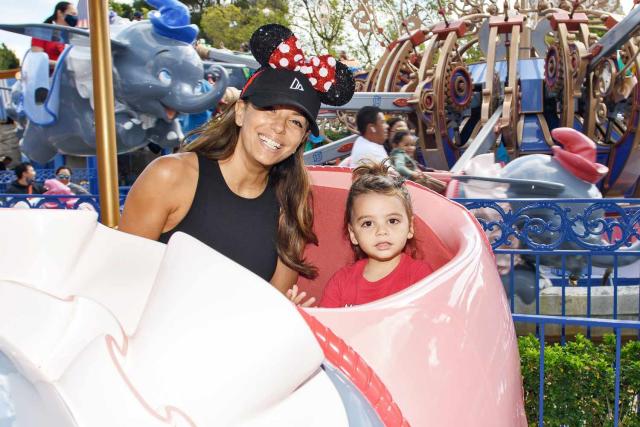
(189, 103)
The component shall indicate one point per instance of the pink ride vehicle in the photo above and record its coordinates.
(101, 328)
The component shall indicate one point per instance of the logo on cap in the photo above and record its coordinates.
(296, 85)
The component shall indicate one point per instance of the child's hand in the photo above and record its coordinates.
(297, 299)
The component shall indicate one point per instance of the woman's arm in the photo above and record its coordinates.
(155, 196)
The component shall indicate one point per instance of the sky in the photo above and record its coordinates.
(35, 11)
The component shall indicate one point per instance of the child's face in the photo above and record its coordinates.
(408, 144)
(380, 226)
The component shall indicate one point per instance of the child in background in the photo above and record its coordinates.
(379, 222)
(403, 146)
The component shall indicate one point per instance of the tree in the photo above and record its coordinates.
(233, 25)
(122, 9)
(8, 59)
(323, 23)
(382, 21)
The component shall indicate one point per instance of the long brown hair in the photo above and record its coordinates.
(371, 177)
(217, 140)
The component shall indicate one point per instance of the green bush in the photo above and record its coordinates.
(579, 382)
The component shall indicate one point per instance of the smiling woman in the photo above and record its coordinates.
(240, 186)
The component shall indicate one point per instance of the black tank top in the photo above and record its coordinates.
(244, 230)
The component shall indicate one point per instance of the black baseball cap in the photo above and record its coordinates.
(269, 87)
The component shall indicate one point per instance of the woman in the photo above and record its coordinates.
(64, 14)
(395, 124)
(241, 186)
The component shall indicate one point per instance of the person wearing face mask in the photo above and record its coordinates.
(240, 185)
(25, 181)
(64, 14)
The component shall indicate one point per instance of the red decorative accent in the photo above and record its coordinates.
(442, 30)
(344, 358)
(611, 21)
(572, 23)
(393, 44)
(345, 148)
(320, 70)
(578, 155)
(401, 102)
(594, 50)
(505, 26)
(418, 37)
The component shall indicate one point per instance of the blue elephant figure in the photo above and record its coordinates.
(571, 173)
(156, 75)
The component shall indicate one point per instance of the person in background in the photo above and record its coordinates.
(379, 223)
(395, 124)
(63, 174)
(403, 160)
(137, 16)
(25, 181)
(373, 133)
(5, 161)
(64, 14)
(315, 141)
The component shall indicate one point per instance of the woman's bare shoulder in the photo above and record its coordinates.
(172, 168)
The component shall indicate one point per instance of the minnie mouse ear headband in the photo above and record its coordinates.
(288, 78)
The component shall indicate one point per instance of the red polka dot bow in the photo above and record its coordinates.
(320, 70)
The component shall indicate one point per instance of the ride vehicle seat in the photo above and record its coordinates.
(334, 251)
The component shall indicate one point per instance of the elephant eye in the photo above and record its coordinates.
(200, 88)
(164, 76)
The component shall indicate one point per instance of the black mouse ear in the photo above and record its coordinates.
(342, 90)
(266, 39)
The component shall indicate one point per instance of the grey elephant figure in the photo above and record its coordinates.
(156, 75)
(571, 173)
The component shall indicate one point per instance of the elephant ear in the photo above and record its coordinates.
(520, 188)
(56, 33)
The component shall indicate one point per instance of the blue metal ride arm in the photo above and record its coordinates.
(613, 39)
(386, 101)
(55, 33)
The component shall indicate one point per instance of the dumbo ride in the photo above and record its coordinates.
(570, 173)
(156, 75)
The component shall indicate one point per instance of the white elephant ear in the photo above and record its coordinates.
(525, 188)
(56, 33)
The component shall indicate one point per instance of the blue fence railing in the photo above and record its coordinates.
(566, 257)
(42, 201)
(541, 322)
(80, 176)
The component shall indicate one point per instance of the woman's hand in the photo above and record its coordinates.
(297, 298)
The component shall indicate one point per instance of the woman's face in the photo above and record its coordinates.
(397, 126)
(408, 144)
(270, 135)
(61, 16)
(64, 176)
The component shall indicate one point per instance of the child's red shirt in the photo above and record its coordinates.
(349, 287)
